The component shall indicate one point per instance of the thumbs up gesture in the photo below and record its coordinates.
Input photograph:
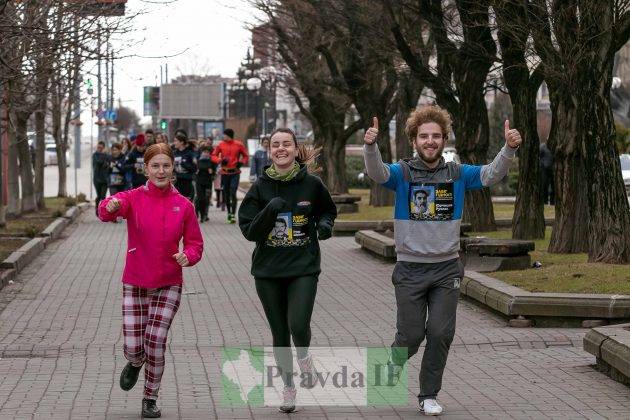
(512, 136)
(372, 133)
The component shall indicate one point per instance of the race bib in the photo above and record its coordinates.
(289, 230)
(431, 201)
(116, 179)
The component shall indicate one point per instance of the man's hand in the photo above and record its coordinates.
(113, 205)
(512, 137)
(372, 133)
(239, 165)
(181, 259)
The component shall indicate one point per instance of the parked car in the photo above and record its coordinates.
(50, 155)
(625, 170)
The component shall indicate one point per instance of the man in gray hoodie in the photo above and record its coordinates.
(427, 217)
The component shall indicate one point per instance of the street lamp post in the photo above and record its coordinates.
(254, 85)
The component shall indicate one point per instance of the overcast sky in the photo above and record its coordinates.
(213, 32)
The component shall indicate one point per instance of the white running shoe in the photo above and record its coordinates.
(430, 407)
(307, 367)
(288, 400)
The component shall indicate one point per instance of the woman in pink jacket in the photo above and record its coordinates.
(158, 217)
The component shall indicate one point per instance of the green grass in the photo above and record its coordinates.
(367, 212)
(564, 273)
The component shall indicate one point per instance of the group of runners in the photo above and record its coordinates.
(286, 212)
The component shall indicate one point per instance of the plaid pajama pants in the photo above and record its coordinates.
(147, 316)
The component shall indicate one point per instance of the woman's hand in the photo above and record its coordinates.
(113, 205)
(181, 259)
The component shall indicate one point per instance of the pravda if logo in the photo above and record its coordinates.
(348, 376)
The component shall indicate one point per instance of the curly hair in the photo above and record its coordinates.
(426, 114)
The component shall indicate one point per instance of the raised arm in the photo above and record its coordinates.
(376, 169)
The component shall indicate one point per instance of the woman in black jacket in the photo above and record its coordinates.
(185, 166)
(287, 211)
(203, 182)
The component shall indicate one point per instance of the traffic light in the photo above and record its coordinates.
(163, 125)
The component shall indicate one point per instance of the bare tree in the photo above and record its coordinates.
(308, 82)
(577, 42)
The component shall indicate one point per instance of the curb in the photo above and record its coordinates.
(20, 258)
(611, 347)
(513, 301)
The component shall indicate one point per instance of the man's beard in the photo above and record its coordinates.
(426, 159)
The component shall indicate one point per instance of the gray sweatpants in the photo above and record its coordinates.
(426, 297)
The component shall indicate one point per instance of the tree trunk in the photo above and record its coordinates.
(408, 94)
(328, 127)
(14, 207)
(57, 131)
(26, 167)
(529, 216)
(40, 150)
(609, 221)
(333, 156)
(471, 132)
(513, 31)
(570, 230)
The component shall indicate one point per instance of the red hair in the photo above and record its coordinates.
(158, 149)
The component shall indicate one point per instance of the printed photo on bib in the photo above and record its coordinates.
(289, 230)
(282, 232)
(431, 201)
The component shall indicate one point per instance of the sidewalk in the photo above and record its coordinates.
(61, 342)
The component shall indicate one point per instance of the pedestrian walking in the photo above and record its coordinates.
(185, 166)
(117, 181)
(100, 172)
(158, 218)
(203, 183)
(287, 211)
(134, 163)
(232, 155)
(428, 271)
(260, 160)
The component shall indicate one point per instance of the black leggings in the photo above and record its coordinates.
(202, 199)
(229, 182)
(288, 304)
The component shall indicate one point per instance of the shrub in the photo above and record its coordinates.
(81, 198)
(71, 201)
(57, 213)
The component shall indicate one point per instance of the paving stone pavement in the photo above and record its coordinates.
(61, 341)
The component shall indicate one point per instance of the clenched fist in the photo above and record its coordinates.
(181, 259)
(512, 137)
(372, 133)
(113, 205)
